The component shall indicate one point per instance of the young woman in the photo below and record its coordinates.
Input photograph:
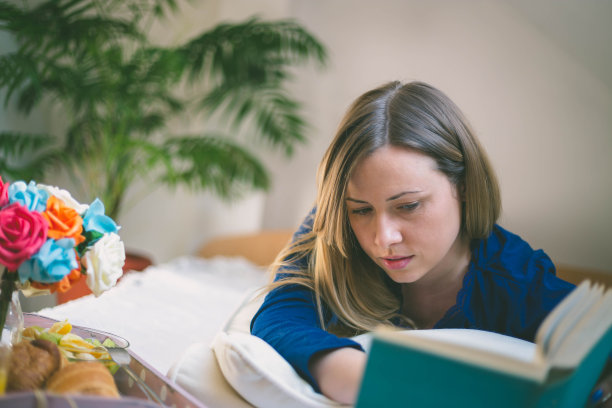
(403, 234)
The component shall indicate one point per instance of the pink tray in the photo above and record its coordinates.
(172, 394)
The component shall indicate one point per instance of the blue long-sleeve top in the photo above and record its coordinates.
(509, 288)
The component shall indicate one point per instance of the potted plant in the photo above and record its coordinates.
(93, 58)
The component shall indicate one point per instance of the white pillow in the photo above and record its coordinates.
(256, 370)
(267, 380)
(197, 371)
(261, 376)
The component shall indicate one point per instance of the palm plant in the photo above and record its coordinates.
(93, 58)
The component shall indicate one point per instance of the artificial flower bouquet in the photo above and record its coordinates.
(48, 240)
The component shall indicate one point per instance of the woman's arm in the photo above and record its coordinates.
(339, 373)
(288, 321)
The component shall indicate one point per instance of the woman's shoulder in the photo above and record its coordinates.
(509, 287)
(506, 257)
(499, 245)
(306, 225)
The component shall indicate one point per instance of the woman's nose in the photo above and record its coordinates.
(387, 232)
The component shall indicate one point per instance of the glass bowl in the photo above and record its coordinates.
(80, 347)
(32, 319)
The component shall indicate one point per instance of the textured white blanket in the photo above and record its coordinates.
(166, 308)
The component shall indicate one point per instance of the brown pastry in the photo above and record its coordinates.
(32, 363)
(84, 377)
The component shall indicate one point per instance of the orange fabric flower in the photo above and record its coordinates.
(61, 286)
(64, 221)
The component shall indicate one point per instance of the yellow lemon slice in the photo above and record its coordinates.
(73, 341)
(61, 327)
(76, 344)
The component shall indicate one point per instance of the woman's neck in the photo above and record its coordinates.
(427, 300)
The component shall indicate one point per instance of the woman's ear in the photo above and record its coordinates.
(461, 191)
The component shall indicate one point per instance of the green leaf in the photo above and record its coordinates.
(17, 143)
(90, 238)
(27, 156)
(92, 60)
(276, 115)
(253, 50)
(109, 343)
(213, 163)
(52, 337)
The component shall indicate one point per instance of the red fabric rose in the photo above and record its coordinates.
(3, 193)
(22, 233)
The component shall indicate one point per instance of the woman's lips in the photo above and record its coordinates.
(397, 262)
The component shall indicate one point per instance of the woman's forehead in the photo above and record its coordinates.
(393, 170)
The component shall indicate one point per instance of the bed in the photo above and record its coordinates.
(188, 319)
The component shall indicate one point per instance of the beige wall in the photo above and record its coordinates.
(544, 117)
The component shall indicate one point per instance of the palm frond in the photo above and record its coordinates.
(275, 113)
(18, 143)
(93, 58)
(27, 156)
(253, 50)
(16, 71)
(212, 162)
(9, 13)
(67, 25)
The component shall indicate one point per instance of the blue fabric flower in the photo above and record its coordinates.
(30, 196)
(95, 220)
(54, 260)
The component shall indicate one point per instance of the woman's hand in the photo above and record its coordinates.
(338, 373)
(601, 397)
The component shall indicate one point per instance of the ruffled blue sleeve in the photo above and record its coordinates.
(509, 288)
(288, 321)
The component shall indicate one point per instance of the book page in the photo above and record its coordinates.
(476, 347)
(568, 323)
(481, 340)
(583, 337)
(549, 324)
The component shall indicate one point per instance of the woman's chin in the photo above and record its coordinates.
(404, 276)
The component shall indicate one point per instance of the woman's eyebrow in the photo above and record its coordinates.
(355, 200)
(403, 193)
(393, 197)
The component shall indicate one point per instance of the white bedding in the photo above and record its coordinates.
(167, 307)
(172, 313)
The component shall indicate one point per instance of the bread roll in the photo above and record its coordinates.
(84, 377)
(32, 363)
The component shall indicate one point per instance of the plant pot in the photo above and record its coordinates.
(133, 262)
(136, 262)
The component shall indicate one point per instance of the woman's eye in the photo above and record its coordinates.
(361, 211)
(409, 206)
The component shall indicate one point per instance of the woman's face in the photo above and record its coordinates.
(406, 215)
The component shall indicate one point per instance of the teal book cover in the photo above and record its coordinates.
(419, 373)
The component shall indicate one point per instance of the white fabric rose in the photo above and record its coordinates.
(104, 262)
(65, 196)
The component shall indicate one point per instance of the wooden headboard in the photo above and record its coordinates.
(262, 247)
(576, 275)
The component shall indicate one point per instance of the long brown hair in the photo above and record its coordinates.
(415, 116)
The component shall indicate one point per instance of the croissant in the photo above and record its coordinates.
(32, 363)
(83, 377)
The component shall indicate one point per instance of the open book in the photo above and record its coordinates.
(471, 368)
